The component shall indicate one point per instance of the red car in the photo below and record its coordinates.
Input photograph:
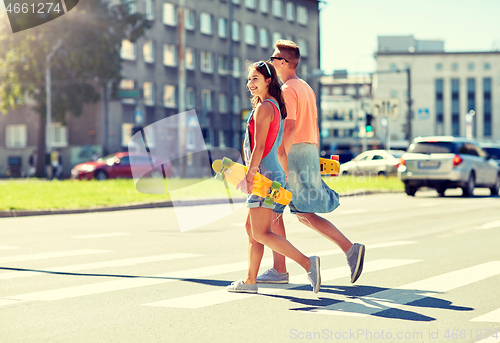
(118, 166)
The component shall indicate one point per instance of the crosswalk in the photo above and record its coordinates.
(397, 297)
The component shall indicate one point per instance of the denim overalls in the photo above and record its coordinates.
(269, 166)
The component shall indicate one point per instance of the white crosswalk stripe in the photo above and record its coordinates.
(400, 296)
(222, 296)
(102, 235)
(4, 247)
(49, 255)
(493, 316)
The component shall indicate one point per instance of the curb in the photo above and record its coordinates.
(150, 205)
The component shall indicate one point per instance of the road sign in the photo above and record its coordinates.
(423, 114)
(385, 107)
(139, 117)
(128, 93)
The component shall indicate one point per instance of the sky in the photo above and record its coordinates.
(349, 28)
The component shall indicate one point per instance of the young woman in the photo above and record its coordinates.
(264, 135)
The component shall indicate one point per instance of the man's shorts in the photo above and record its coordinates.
(310, 193)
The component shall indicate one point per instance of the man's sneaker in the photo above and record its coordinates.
(241, 287)
(355, 258)
(273, 276)
(314, 274)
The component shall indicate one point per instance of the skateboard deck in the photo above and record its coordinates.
(329, 166)
(234, 173)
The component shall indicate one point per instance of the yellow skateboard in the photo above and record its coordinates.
(234, 173)
(329, 166)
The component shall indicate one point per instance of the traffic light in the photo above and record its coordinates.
(369, 127)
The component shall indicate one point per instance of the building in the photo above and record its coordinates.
(345, 102)
(445, 87)
(222, 37)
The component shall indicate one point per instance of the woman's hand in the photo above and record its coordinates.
(245, 186)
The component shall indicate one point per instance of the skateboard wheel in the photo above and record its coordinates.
(219, 177)
(276, 185)
(269, 201)
(226, 162)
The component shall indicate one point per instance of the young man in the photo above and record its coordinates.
(310, 194)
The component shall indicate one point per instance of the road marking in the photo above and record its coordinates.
(4, 247)
(490, 225)
(356, 211)
(223, 296)
(493, 316)
(400, 296)
(106, 264)
(491, 339)
(129, 283)
(102, 235)
(56, 254)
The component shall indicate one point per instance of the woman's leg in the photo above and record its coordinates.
(260, 219)
(255, 252)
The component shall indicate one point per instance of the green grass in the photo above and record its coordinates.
(40, 194)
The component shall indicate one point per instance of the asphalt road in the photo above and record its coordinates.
(432, 274)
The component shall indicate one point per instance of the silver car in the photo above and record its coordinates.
(373, 162)
(448, 162)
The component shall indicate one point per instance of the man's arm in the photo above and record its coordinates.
(288, 134)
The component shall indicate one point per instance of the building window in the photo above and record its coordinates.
(126, 133)
(189, 20)
(236, 2)
(487, 66)
(169, 14)
(439, 106)
(132, 7)
(169, 96)
(263, 38)
(264, 6)
(150, 10)
(278, 8)
(471, 101)
(302, 15)
(454, 66)
(236, 67)
(127, 84)
(148, 49)
(236, 104)
(207, 62)
(304, 50)
(190, 59)
(149, 93)
(206, 99)
(455, 107)
(277, 36)
(206, 23)
(223, 107)
(290, 11)
(190, 98)
(439, 66)
(223, 65)
(236, 31)
(16, 136)
(250, 34)
(222, 27)
(487, 129)
(128, 50)
(470, 66)
(59, 135)
(169, 55)
(252, 4)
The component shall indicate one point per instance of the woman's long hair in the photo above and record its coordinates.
(274, 88)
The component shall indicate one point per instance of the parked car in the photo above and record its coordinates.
(493, 150)
(118, 166)
(448, 162)
(378, 162)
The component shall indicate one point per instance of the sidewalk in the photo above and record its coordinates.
(146, 205)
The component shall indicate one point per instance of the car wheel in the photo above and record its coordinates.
(410, 190)
(381, 173)
(496, 187)
(345, 173)
(101, 175)
(441, 191)
(468, 189)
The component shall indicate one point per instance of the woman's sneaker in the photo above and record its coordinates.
(241, 287)
(273, 276)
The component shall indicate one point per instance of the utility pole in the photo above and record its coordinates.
(232, 84)
(48, 92)
(182, 88)
(409, 114)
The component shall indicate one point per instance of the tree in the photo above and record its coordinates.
(82, 68)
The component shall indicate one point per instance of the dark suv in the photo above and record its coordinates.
(448, 162)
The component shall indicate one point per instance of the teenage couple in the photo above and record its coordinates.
(281, 142)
